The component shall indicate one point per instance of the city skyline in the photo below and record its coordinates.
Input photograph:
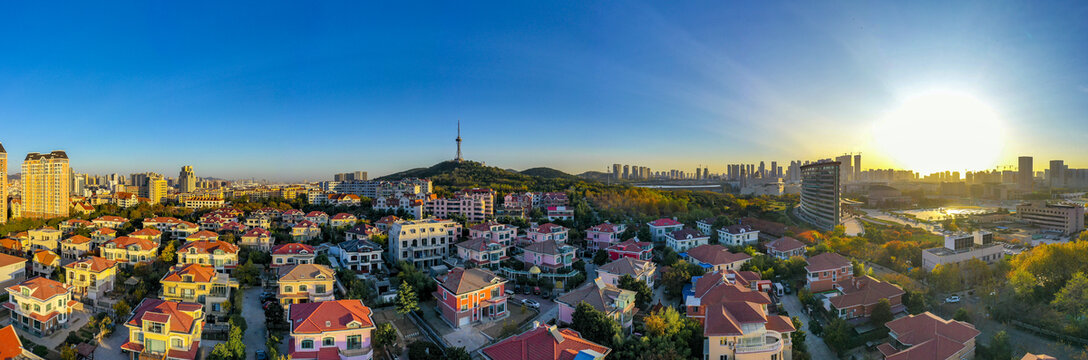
(240, 92)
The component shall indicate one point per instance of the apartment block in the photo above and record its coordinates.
(424, 243)
(46, 183)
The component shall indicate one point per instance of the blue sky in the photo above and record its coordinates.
(291, 90)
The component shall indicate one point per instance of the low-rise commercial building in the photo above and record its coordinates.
(1067, 219)
(962, 247)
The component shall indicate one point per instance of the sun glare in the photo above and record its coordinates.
(940, 131)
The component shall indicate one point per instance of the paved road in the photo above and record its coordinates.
(816, 346)
(110, 347)
(256, 330)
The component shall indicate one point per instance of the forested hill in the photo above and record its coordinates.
(453, 175)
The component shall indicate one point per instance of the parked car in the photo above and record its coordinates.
(531, 303)
(546, 295)
(267, 304)
(536, 290)
(509, 292)
(527, 291)
(952, 299)
(262, 355)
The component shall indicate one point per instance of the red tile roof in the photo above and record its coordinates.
(209, 246)
(606, 227)
(716, 255)
(111, 218)
(929, 336)
(665, 222)
(6, 260)
(630, 245)
(257, 232)
(826, 262)
(125, 241)
(46, 257)
(291, 249)
(863, 291)
(336, 315)
(688, 234)
(785, 244)
(305, 224)
(146, 232)
(78, 239)
(344, 216)
(543, 343)
(203, 234)
(316, 214)
(460, 281)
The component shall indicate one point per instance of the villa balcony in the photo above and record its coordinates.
(771, 341)
(357, 352)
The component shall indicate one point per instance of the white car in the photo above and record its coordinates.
(952, 299)
(531, 303)
(509, 292)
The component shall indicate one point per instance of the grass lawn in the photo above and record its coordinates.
(516, 317)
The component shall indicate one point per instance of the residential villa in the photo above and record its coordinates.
(618, 304)
(74, 224)
(631, 248)
(202, 235)
(39, 305)
(44, 263)
(12, 348)
(497, 232)
(292, 216)
(129, 250)
(423, 243)
(291, 254)
(716, 257)
(305, 283)
(825, 270)
(927, 336)
(335, 329)
(305, 230)
(553, 213)
(604, 235)
(12, 247)
(91, 278)
(164, 224)
(643, 270)
(343, 219)
(547, 231)
(361, 256)
(148, 234)
(164, 329)
(102, 235)
(546, 342)
(75, 246)
(467, 296)
(110, 221)
(184, 230)
(549, 256)
(257, 238)
(219, 254)
(684, 239)
(200, 284)
(317, 217)
(738, 235)
(45, 238)
(661, 227)
(362, 232)
(785, 247)
(735, 318)
(12, 269)
(856, 297)
(483, 252)
(258, 221)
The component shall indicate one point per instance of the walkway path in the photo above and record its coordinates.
(256, 330)
(816, 346)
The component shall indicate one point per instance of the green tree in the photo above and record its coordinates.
(1000, 348)
(406, 299)
(322, 259)
(837, 335)
(594, 324)
(643, 293)
(881, 313)
(384, 336)
(600, 258)
(68, 352)
(962, 315)
(169, 252)
(457, 353)
(1073, 297)
(424, 350)
(800, 349)
(121, 308)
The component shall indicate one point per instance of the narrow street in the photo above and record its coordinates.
(816, 346)
(256, 332)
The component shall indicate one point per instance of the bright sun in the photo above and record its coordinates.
(940, 131)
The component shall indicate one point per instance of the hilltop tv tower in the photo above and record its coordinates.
(458, 158)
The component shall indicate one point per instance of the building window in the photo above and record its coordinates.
(355, 342)
(307, 344)
(328, 341)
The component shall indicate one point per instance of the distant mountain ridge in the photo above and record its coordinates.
(469, 174)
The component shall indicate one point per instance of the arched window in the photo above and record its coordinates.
(301, 288)
(287, 289)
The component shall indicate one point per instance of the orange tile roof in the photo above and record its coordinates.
(200, 273)
(203, 234)
(826, 262)
(292, 249)
(46, 257)
(929, 336)
(6, 260)
(9, 243)
(716, 255)
(94, 263)
(125, 242)
(78, 239)
(41, 288)
(172, 313)
(335, 315)
(146, 232)
(10, 345)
